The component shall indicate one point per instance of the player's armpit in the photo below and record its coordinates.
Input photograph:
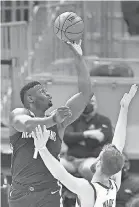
(117, 179)
(77, 104)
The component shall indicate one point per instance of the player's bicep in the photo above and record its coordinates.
(117, 179)
(77, 104)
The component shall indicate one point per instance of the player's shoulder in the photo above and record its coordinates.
(12, 116)
(86, 190)
(18, 111)
(85, 185)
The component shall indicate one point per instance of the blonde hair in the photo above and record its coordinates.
(112, 160)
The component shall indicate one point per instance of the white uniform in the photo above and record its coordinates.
(104, 196)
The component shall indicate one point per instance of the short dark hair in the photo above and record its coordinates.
(112, 160)
(26, 88)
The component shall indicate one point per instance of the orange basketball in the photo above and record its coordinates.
(69, 26)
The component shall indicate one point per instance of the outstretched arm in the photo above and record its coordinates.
(78, 102)
(53, 165)
(21, 120)
(120, 130)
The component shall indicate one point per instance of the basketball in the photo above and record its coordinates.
(69, 26)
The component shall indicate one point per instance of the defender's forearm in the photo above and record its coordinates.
(53, 165)
(120, 130)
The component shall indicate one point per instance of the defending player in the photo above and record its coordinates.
(102, 190)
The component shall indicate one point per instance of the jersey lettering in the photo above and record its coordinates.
(52, 135)
(27, 135)
(108, 203)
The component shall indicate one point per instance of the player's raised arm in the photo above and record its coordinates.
(78, 102)
(54, 166)
(22, 122)
(120, 130)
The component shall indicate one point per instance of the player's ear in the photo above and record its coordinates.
(98, 164)
(30, 98)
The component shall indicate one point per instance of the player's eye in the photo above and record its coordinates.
(41, 91)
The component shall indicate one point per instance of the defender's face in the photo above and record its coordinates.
(41, 98)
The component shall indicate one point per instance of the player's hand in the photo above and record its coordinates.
(41, 137)
(62, 113)
(125, 101)
(76, 47)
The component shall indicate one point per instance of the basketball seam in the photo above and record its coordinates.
(69, 32)
(73, 24)
(59, 25)
(60, 29)
(64, 23)
(74, 33)
(68, 37)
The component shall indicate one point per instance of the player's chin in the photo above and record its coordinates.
(50, 104)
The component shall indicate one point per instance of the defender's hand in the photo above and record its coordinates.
(129, 96)
(61, 114)
(76, 47)
(41, 137)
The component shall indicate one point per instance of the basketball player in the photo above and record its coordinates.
(32, 183)
(102, 190)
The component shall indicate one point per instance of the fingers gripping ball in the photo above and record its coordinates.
(69, 27)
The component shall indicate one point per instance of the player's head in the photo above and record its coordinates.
(109, 162)
(33, 94)
(91, 107)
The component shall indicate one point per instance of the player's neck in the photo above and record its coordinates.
(37, 112)
(98, 177)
